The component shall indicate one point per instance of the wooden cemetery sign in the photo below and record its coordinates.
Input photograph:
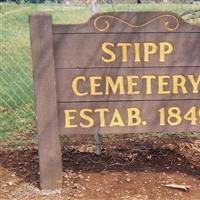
(121, 72)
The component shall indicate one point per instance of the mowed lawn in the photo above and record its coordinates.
(17, 116)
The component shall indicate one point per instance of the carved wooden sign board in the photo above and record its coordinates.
(121, 72)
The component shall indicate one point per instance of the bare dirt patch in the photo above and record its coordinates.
(127, 169)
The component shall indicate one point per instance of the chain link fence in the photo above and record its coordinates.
(17, 114)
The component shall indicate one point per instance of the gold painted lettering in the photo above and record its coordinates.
(162, 83)
(165, 48)
(137, 52)
(102, 112)
(131, 84)
(87, 118)
(94, 84)
(111, 55)
(148, 79)
(75, 83)
(114, 86)
(69, 117)
(195, 83)
(124, 47)
(149, 49)
(116, 119)
(134, 118)
(179, 82)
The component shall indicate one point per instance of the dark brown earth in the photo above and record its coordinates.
(127, 169)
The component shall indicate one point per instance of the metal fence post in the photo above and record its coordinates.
(94, 6)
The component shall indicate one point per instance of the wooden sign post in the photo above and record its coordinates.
(121, 72)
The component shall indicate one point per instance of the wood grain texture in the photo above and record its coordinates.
(144, 21)
(65, 78)
(46, 108)
(149, 113)
(85, 50)
(62, 52)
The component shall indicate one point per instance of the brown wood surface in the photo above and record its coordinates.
(148, 20)
(46, 108)
(62, 52)
(78, 52)
(84, 50)
(65, 77)
(149, 113)
(126, 27)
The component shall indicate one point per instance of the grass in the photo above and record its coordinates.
(17, 114)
